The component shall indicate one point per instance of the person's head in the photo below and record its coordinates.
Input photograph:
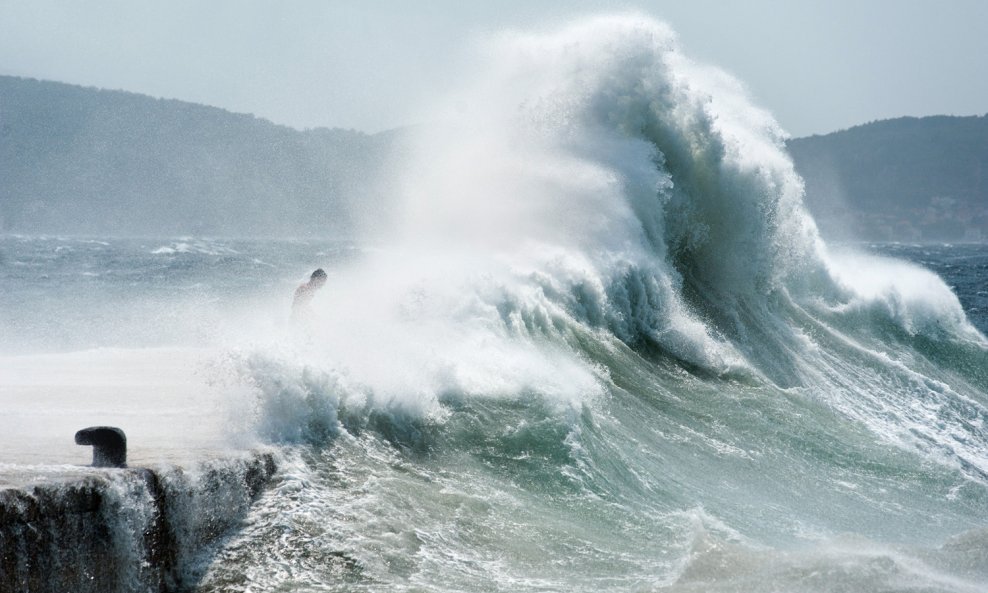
(318, 278)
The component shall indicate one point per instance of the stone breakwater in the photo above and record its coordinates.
(116, 530)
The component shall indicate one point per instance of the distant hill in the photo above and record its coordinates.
(77, 160)
(905, 179)
(80, 160)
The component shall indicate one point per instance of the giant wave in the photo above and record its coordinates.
(602, 344)
(597, 344)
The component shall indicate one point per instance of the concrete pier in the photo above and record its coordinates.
(79, 529)
(179, 419)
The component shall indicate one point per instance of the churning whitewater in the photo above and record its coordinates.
(607, 350)
(600, 345)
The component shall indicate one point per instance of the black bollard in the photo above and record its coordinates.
(109, 445)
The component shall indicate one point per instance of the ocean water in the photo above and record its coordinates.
(598, 345)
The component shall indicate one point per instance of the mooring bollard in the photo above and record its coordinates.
(109, 445)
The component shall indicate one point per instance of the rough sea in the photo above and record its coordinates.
(600, 347)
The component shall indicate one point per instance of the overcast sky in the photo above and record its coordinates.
(370, 65)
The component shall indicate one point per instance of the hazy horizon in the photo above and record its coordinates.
(378, 66)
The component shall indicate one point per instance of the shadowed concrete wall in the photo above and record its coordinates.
(123, 530)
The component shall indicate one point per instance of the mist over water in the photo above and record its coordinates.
(603, 347)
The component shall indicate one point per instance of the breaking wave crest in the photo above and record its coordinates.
(597, 192)
(604, 346)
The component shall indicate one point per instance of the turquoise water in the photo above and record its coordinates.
(662, 477)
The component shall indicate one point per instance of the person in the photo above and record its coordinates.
(302, 303)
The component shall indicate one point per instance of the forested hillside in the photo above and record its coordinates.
(906, 179)
(85, 161)
(77, 160)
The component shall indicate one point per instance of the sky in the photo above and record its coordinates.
(819, 66)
